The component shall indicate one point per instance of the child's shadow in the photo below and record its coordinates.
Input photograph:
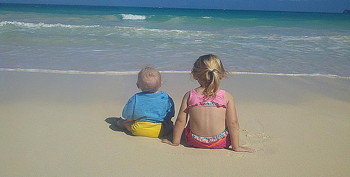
(113, 125)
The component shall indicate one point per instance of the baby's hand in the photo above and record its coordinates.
(243, 149)
(169, 142)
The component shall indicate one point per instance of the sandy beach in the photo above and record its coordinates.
(61, 125)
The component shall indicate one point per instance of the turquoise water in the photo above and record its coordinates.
(122, 39)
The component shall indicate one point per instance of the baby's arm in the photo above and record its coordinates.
(179, 124)
(233, 125)
(129, 108)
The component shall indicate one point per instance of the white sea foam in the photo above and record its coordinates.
(149, 30)
(97, 50)
(292, 75)
(127, 29)
(133, 17)
(69, 71)
(166, 72)
(161, 32)
(44, 25)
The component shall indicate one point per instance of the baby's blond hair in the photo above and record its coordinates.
(149, 79)
(208, 70)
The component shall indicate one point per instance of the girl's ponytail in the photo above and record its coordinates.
(213, 83)
(208, 70)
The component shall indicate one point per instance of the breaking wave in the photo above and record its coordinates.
(133, 17)
(44, 25)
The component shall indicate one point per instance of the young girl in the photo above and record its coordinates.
(210, 112)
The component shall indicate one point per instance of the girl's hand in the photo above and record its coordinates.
(243, 149)
(169, 142)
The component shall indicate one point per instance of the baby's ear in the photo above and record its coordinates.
(138, 85)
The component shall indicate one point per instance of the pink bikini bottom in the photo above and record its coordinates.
(216, 142)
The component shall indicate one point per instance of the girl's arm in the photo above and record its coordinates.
(180, 123)
(233, 125)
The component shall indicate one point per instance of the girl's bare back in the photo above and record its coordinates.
(207, 121)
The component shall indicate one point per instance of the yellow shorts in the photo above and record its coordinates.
(147, 129)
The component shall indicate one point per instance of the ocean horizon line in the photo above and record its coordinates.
(71, 72)
(156, 7)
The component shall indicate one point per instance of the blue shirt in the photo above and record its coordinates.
(149, 107)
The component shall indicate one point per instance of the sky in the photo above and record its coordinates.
(336, 6)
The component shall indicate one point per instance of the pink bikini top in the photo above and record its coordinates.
(197, 99)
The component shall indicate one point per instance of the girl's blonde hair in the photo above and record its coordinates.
(208, 70)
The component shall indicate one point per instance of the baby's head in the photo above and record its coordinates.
(208, 71)
(149, 80)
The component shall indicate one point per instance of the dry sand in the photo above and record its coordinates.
(59, 125)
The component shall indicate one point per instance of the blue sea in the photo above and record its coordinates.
(95, 39)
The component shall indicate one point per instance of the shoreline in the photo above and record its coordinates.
(166, 72)
(56, 125)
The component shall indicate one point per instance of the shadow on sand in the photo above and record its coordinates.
(113, 125)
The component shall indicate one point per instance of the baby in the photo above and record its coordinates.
(148, 113)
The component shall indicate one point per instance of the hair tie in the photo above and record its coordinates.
(212, 71)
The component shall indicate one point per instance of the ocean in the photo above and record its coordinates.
(95, 39)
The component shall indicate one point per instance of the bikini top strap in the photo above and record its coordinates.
(187, 117)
